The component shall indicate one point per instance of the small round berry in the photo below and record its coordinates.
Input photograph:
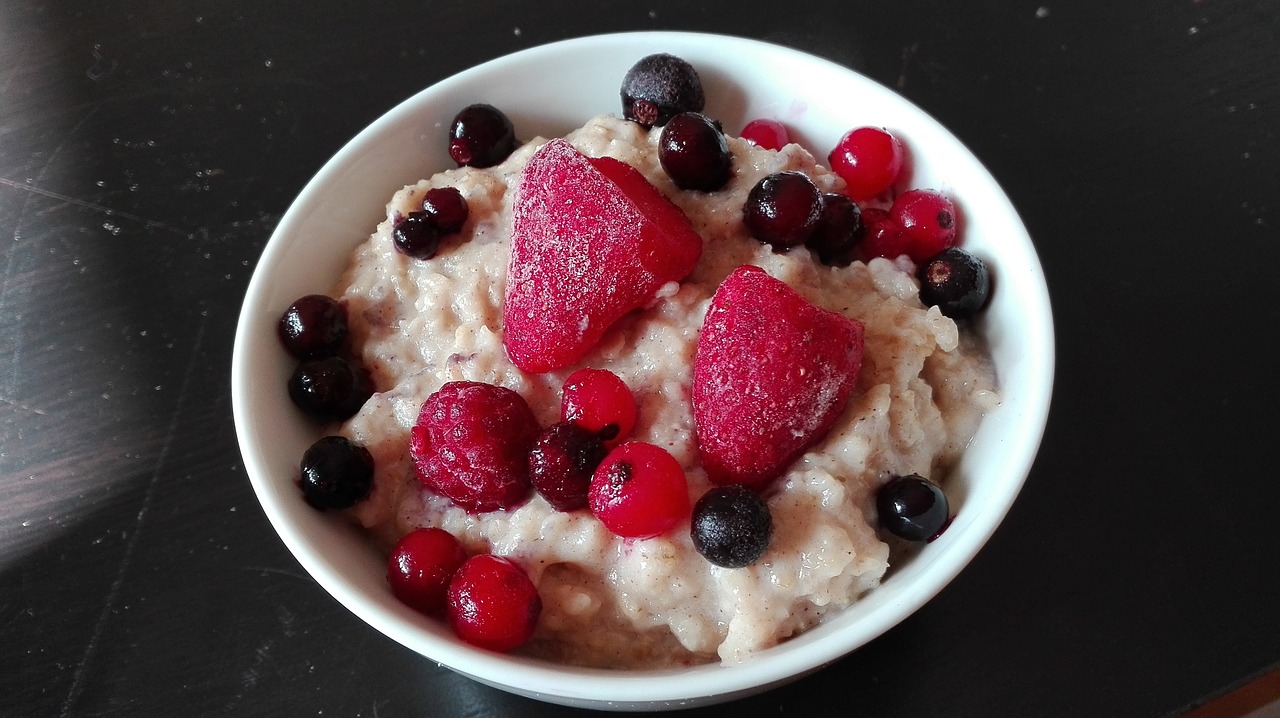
(731, 526)
(913, 508)
(420, 567)
(561, 463)
(481, 136)
(313, 326)
(928, 220)
(783, 209)
(492, 603)
(769, 134)
(881, 235)
(693, 151)
(954, 281)
(639, 491)
(659, 87)
(869, 159)
(415, 235)
(598, 400)
(838, 232)
(329, 388)
(337, 473)
(446, 208)
(471, 444)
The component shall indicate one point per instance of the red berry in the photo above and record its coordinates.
(598, 400)
(769, 134)
(772, 373)
(639, 491)
(492, 603)
(869, 160)
(471, 444)
(421, 566)
(572, 274)
(928, 221)
(561, 463)
(882, 235)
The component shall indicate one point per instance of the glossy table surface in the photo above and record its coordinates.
(147, 150)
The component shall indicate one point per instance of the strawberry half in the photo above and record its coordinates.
(591, 240)
(771, 374)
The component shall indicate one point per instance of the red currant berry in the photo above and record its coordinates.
(882, 236)
(492, 603)
(869, 160)
(599, 401)
(639, 491)
(769, 134)
(928, 221)
(420, 567)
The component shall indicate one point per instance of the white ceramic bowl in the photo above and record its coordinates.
(550, 90)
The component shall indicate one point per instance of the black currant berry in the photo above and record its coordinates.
(913, 508)
(838, 232)
(955, 281)
(416, 235)
(481, 136)
(330, 389)
(313, 326)
(783, 209)
(446, 208)
(561, 463)
(731, 526)
(659, 87)
(694, 153)
(336, 473)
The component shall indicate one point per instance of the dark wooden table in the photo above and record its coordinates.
(147, 150)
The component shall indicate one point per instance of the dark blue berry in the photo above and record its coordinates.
(562, 461)
(731, 526)
(913, 508)
(659, 87)
(694, 153)
(314, 326)
(416, 235)
(783, 209)
(336, 473)
(481, 136)
(446, 208)
(954, 281)
(330, 389)
(838, 232)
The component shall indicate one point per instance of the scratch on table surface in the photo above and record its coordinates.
(281, 571)
(113, 594)
(67, 199)
(24, 407)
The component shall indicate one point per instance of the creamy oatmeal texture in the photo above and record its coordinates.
(621, 603)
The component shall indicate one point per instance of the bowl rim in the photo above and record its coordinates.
(640, 688)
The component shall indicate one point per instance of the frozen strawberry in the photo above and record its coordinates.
(591, 241)
(771, 374)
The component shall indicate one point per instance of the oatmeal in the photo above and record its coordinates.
(612, 602)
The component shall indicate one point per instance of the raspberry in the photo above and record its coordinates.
(492, 603)
(928, 221)
(599, 401)
(639, 491)
(421, 566)
(471, 445)
(561, 463)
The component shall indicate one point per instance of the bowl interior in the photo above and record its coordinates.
(548, 91)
